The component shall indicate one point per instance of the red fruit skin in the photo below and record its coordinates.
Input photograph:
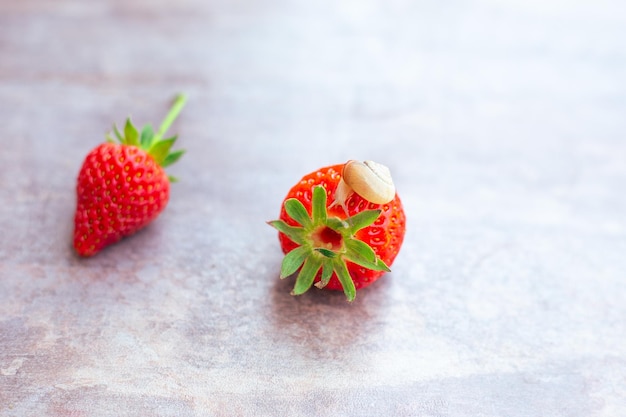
(120, 189)
(385, 236)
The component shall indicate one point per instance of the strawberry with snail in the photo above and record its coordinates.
(341, 227)
(122, 185)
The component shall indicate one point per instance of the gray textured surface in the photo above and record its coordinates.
(503, 123)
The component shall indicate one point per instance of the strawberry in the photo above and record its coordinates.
(340, 227)
(122, 186)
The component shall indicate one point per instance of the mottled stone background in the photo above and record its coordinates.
(504, 125)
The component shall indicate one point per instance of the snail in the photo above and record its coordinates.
(369, 179)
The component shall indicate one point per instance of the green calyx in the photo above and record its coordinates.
(326, 243)
(151, 142)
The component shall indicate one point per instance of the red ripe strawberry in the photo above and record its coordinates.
(122, 186)
(341, 226)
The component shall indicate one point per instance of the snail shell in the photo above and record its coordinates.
(370, 180)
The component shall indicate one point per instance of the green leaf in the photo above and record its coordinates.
(131, 135)
(345, 279)
(362, 254)
(296, 211)
(172, 158)
(362, 219)
(319, 205)
(296, 234)
(172, 178)
(147, 134)
(378, 265)
(307, 274)
(326, 252)
(336, 224)
(360, 249)
(118, 135)
(293, 260)
(327, 272)
(382, 265)
(159, 150)
(109, 138)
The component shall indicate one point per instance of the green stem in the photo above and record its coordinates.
(179, 103)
